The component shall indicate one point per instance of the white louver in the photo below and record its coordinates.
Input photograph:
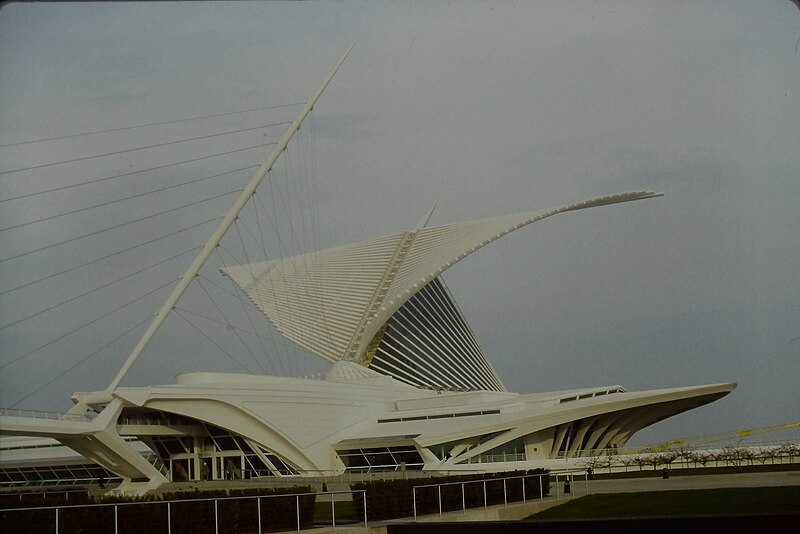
(428, 344)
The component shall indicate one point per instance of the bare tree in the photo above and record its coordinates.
(592, 462)
(641, 461)
(702, 457)
(684, 455)
(654, 460)
(789, 450)
(628, 461)
(762, 454)
(611, 461)
(668, 457)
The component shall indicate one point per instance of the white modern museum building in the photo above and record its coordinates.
(408, 387)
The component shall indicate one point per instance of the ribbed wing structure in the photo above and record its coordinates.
(336, 302)
(428, 344)
(318, 299)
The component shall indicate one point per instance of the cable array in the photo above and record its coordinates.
(147, 125)
(109, 278)
(138, 148)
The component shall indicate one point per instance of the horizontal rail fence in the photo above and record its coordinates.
(566, 483)
(39, 414)
(218, 515)
(453, 496)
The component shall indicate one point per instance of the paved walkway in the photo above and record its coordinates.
(741, 480)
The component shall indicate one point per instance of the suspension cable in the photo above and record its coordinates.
(127, 150)
(108, 256)
(131, 197)
(228, 323)
(81, 361)
(179, 314)
(117, 226)
(239, 297)
(103, 286)
(252, 276)
(131, 173)
(59, 338)
(160, 123)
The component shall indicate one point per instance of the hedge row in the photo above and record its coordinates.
(395, 498)
(185, 515)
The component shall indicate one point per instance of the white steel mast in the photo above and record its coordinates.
(227, 221)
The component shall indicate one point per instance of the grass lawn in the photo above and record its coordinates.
(722, 501)
(345, 511)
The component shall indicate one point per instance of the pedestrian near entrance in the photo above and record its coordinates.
(180, 473)
(230, 470)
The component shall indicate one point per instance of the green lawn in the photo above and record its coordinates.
(723, 501)
(344, 511)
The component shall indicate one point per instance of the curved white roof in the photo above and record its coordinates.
(334, 302)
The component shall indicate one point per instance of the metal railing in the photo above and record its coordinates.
(161, 420)
(156, 461)
(38, 414)
(564, 484)
(319, 476)
(498, 458)
(216, 501)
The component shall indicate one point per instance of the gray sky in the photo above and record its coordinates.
(486, 107)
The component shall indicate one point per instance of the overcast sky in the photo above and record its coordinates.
(486, 107)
